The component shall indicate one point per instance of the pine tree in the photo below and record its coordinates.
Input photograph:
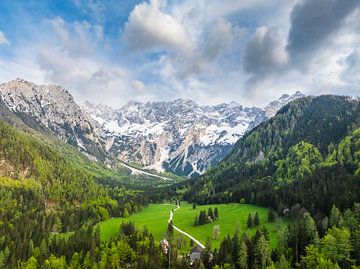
(272, 215)
(196, 221)
(282, 263)
(216, 213)
(243, 256)
(256, 219)
(202, 218)
(194, 206)
(262, 252)
(335, 217)
(250, 223)
(210, 214)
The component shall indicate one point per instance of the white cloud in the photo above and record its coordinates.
(3, 39)
(149, 28)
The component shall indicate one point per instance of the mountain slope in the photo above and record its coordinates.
(178, 136)
(51, 109)
(287, 152)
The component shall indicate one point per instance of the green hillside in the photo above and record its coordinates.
(293, 155)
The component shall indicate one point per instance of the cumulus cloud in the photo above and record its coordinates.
(313, 22)
(3, 39)
(264, 53)
(150, 28)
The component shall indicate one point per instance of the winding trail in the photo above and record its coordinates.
(181, 231)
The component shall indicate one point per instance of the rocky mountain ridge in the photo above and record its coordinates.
(179, 136)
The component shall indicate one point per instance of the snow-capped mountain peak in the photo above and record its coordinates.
(178, 136)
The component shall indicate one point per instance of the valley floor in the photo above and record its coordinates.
(231, 217)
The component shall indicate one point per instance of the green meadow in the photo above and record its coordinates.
(231, 217)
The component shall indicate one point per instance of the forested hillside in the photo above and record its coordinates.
(47, 187)
(307, 154)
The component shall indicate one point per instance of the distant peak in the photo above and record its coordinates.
(298, 93)
(284, 96)
(185, 101)
(233, 104)
(133, 103)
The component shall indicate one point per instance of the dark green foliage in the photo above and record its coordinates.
(84, 249)
(202, 218)
(196, 221)
(298, 244)
(272, 215)
(206, 218)
(216, 213)
(256, 219)
(250, 222)
(210, 214)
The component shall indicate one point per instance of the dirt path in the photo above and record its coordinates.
(181, 231)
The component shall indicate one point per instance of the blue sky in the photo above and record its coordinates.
(211, 51)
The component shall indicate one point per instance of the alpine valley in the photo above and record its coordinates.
(180, 136)
(155, 134)
(285, 177)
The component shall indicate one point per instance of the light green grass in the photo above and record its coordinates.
(155, 217)
(231, 216)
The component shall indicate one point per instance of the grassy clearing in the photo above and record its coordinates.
(155, 217)
(231, 216)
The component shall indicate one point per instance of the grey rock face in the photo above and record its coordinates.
(51, 108)
(179, 136)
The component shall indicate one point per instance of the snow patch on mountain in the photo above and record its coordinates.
(178, 136)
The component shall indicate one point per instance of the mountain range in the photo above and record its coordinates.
(179, 136)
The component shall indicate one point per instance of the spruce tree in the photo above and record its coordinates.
(196, 221)
(262, 252)
(272, 215)
(210, 214)
(202, 217)
(243, 256)
(335, 216)
(256, 219)
(216, 213)
(250, 223)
